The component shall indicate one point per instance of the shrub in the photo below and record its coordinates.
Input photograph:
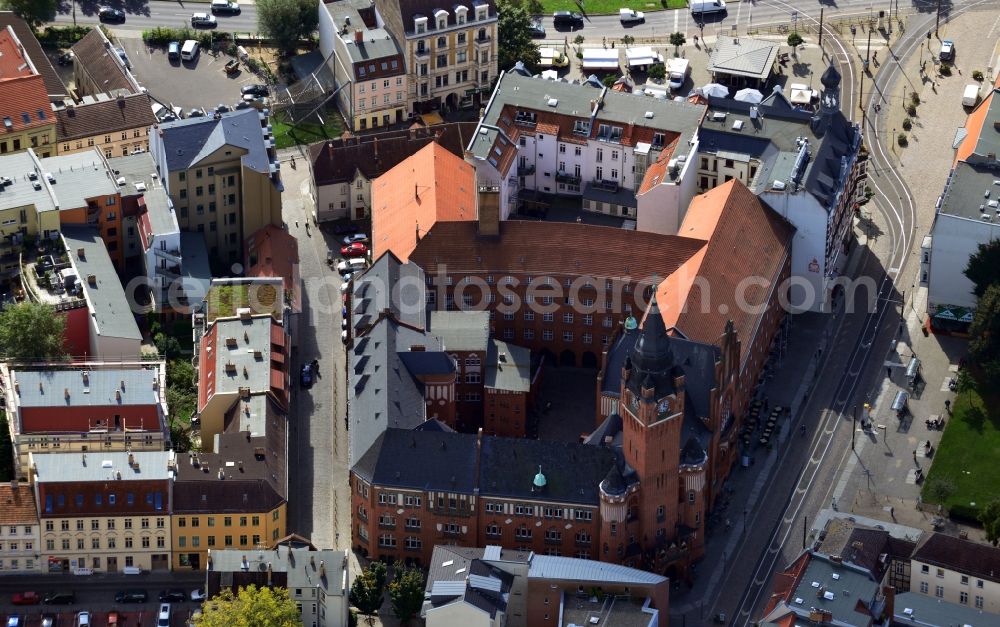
(977, 76)
(963, 513)
(794, 40)
(945, 69)
(911, 110)
(62, 36)
(902, 140)
(658, 72)
(907, 124)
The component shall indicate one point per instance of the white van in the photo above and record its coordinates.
(701, 7)
(163, 616)
(352, 265)
(971, 96)
(189, 51)
(629, 16)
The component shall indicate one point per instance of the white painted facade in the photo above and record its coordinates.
(954, 240)
(809, 261)
(952, 586)
(344, 200)
(19, 548)
(163, 264)
(661, 209)
(462, 614)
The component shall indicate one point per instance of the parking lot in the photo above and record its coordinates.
(187, 84)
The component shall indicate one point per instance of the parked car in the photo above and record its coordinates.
(25, 598)
(172, 596)
(225, 7)
(48, 620)
(571, 19)
(357, 237)
(109, 14)
(348, 228)
(59, 598)
(196, 113)
(306, 376)
(203, 20)
(198, 594)
(357, 249)
(537, 28)
(254, 90)
(222, 108)
(163, 616)
(83, 619)
(174, 51)
(131, 596)
(14, 621)
(947, 50)
(65, 58)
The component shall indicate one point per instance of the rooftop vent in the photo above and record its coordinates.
(552, 102)
(719, 116)
(737, 125)
(121, 181)
(92, 280)
(649, 115)
(140, 186)
(778, 185)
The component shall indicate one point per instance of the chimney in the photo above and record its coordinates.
(81, 253)
(312, 561)
(488, 211)
(66, 393)
(118, 395)
(92, 280)
(359, 37)
(322, 569)
(86, 378)
(131, 459)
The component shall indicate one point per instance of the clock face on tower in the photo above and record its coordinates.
(663, 406)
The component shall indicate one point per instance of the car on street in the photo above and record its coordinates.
(14, 621)
(571, 19)
(537, 29)
(254, 89)
(172, 596)
(59, 598)
(110, 14)
(947, 50)
(225, 7)
(346, 285)
(306, 376)
(131, 596)
(203, 20)
(357, 249)
(357, 237)
(174, 51)
(198, 594)
(25, 598)
(48, 620)
(196, 113)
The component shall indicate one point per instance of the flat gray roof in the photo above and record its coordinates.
(742, 56)
(250, 335)
(302, 566)
(972, 191)
(608, 612)
(79, 176)
(109, 307)
(195, 269)
(140, 171)
(573, 569)
(461, 330)
(918, 610)
(114, 386)
(97, 466)
(836, 588)
(508, 367)
(21, 192)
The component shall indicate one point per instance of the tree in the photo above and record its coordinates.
(287, 21)
(794, 40)
(31, 332)
(609, 80)
(984, 343)
(34, 12)
(990, 517)
(983, 268)
(366, 591)
(167, 345)
(514, 33)
(406, 592)
(628, 40)
(535, 7)
(252, 607)
(677, 40)
(657, 72)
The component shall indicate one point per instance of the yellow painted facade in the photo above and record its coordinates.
(194, 535)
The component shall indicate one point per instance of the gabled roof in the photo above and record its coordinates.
(104, 117)
(389, 284)
(24, 96)
(421, 460)
(53, 84)
(551, 567)
(745, 238)
(95, 54)
(430, 186)
(964, 556)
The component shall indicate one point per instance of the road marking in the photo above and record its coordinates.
(677, 17)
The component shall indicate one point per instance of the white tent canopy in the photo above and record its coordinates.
(800, 94)
(600, 59)
(749, 95)
(715, 90)
(551, 75)
(643, 55)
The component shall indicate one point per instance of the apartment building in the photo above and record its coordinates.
(367, 62)
(118, 126)
(87, 407)
(808, 167)
(242, 351)
(28, 121)
(98, 68)
(344, 169)
(103, 511)
(19, 530)
(222, 175)
(274, 252)
(450, 51)
(57, 91)
(957, 571)
(549, 137)
(497, 587)
(967, 215)
(111, 329)
(317, 580)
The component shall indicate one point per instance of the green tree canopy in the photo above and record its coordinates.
(990, 517)
(366, 591)
(983, 268)
(31, 332)
(514, 33)
(677, 40)
(287, 21)
(252, 607)
(794, 40)
(984, 343)
(406, 592)
(657, 71)
(34, 12)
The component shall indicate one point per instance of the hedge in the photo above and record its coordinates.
(161, 36)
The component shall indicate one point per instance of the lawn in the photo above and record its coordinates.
(606, 7)
(965, 462)
(286, 135)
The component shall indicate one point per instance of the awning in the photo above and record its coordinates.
(432, 118)
(641, 56)
(600, 59)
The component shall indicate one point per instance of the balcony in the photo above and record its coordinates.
(525, 169)
(482, 41)
(422, 53)
(565, 177)
(173, 255)
(608, 186)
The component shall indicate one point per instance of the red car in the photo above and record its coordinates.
(357, 249)
(26, 598)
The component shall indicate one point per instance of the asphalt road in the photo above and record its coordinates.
(145, 15)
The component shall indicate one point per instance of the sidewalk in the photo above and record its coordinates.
(792, 382)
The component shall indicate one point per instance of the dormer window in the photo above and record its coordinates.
(481, 13)
(460, 13)
(441, 18)
(420, 24)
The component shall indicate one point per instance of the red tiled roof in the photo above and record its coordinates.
(17, 507)
(24, 96)
(276, 254)
(552, 248)
(12, 62)
(430, 186)
(53, 84)
(746, 238)
(656, 173)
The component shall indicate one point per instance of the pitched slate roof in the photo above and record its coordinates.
(967, 557)
(408, 9)
(97, 58)
(389, 284)
(337, 160)
(187, 142)
(53, 84)
(104, 117)
(421, 460)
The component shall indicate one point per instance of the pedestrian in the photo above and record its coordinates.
(947, 405)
